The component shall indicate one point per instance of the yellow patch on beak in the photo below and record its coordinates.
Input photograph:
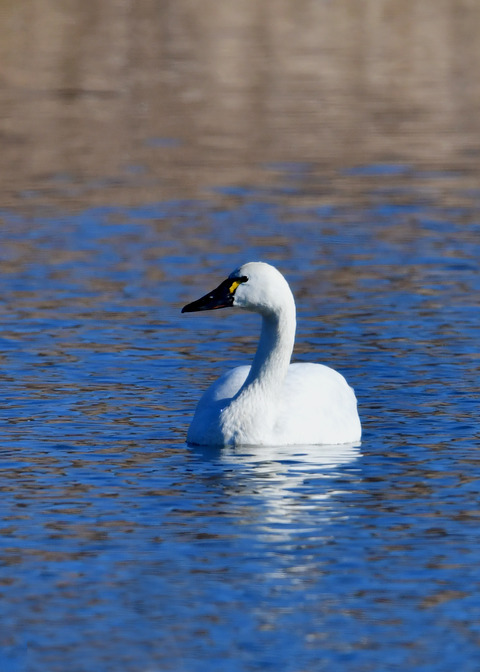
(233, 286)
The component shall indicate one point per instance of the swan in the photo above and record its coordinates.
(271, 402)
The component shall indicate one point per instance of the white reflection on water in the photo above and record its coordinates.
(291, 480)
(291, 458)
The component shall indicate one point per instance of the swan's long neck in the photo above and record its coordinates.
(274, 351)
(251, 413)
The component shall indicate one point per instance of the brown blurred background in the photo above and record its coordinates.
(160, 99)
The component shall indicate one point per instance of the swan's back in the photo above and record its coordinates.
(315, 405)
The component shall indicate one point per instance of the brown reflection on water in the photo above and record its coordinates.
(162, 99)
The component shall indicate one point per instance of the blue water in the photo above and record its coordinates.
(124, 549)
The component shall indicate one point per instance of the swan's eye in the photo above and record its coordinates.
(236, 282)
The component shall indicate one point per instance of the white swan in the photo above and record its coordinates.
(272, 402)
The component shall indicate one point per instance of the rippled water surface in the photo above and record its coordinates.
(147, 149)
(124, 549)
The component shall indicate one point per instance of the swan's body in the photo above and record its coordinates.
(272, 402)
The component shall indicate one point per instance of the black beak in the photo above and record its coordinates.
(221, 297)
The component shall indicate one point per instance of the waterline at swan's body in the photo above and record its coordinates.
(272, 402)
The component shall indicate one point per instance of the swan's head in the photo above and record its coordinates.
(255, 286)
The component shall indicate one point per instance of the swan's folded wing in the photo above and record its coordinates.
(317, 406)
(228, 384)
(204, 428)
